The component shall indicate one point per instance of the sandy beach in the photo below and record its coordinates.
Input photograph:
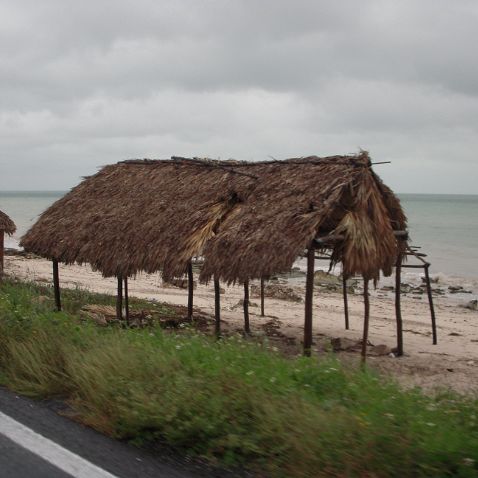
(452, 363)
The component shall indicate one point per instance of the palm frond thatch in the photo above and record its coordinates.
(247, 219)
(6, 224)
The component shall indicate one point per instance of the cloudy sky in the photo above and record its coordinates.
(83, 84)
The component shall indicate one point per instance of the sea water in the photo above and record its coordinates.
(24, 207)
(444, 226)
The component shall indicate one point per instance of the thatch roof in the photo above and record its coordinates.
(247, 219)
(6, 224)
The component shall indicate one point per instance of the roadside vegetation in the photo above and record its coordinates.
(233, 401)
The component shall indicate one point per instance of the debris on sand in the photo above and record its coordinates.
(240, 304)
(104, 315)
(178, 282)
(100, 314)
(272, 328)
(472, 305)
(343, 344)
(276, 291)
(327, 281)
(340, 344)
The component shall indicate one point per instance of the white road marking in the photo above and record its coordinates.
(49, 451)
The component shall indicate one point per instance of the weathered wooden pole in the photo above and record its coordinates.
(247, 328)
(217, 307)
(56, 285)
(398, 307)
(2, 248)
(126, 301)
(309, 293)
(119, 299)
(190, 290)
(262, 297)
(430, 301)
(366, 301)
(346, 301)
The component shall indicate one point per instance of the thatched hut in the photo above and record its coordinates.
(7, 226)
(248, 220)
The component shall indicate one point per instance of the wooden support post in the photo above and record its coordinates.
(247, 328)
(398, 307)
(217, 307)
(309, 293)
(346, 301)
(56, 285)
(2, 249)
(126, 301)
(430, 301)
(190, 290)
(366, 318)
(262, 297)
(119, 299)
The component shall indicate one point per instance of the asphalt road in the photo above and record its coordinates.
(16, 461)
(37, 442)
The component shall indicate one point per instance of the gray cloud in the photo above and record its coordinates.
(83, 84)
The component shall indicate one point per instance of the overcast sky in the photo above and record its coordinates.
(83, 84)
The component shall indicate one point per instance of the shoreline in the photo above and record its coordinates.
(444, 284)
(452, 363)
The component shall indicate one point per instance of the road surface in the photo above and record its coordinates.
(37, 442)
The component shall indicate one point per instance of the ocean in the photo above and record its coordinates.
(444, 226)
(24, 207)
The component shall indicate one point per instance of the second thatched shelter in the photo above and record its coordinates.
(7, 226)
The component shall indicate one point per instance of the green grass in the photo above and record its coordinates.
(232, 401)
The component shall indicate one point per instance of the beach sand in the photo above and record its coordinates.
(452, 363)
